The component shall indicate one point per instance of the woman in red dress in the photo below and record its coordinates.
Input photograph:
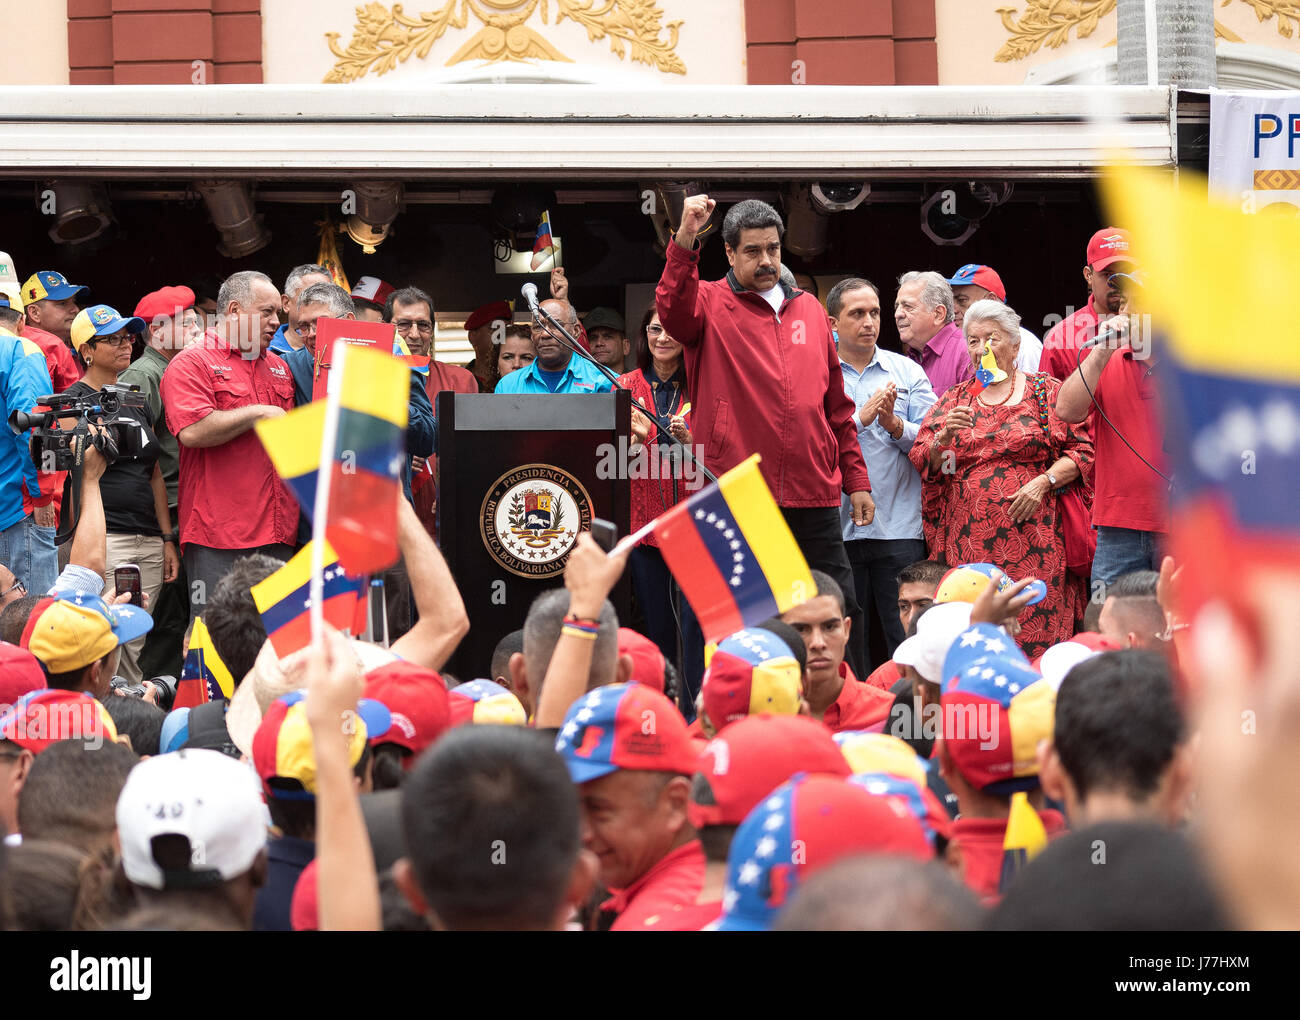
(990, 477)
(660, 480)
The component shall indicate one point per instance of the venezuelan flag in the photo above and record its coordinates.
(1024, 840)
(732, 552)
(284, 600)
(544, 246)
(369, 452)
(988, 373)
(403, 354)
(1228, 373)
(293, 442)
(204, 677)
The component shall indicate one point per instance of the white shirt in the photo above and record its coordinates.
(774, 297)
(1031, 351)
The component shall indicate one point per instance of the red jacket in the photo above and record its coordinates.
(652, 489)
(763, 383)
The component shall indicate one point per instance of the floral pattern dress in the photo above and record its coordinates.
(965, 501)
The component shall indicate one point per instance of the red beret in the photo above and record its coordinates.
(488, 313)
(167, 301)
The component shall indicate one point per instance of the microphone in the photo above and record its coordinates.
(529, 291)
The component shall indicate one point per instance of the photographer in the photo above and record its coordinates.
(26, 547)
(138, 521)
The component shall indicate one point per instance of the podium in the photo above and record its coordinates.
(519, 477)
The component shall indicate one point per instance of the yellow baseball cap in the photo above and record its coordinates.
(47, 285)
(68, 632)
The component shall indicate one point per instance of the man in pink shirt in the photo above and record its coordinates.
(1108, 254)
(925, 315)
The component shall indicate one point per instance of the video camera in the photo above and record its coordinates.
(55, 448)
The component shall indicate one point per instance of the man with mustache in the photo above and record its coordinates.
(764, 377)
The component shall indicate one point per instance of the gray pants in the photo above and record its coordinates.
(205, 566)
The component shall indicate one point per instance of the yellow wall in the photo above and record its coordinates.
(35, 42)
(711, 43)
(970, 33)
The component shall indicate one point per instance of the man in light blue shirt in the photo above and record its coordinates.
(892, 395)
(556, 368)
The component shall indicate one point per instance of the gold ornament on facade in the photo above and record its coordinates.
(1287, 11)
(383, 38)
(1050, 22)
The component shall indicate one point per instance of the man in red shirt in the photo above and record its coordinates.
(628, 752)
(1115, 391)
(1108, 254)
(764, 377)
(834, 694)
(232, 502)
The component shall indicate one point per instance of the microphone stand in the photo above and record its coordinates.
(565, 338)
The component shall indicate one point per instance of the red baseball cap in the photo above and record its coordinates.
(20, 673)
(624, 726)
(416, 698)
(752, 757)
(980, 276)
(168, 301)
(373, 291)
(1109, 244)
(647, 660)
(45, 717)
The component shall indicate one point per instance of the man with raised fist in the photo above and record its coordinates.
(764, 377)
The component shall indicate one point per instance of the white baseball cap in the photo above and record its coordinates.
(936, 630)
(207, 797)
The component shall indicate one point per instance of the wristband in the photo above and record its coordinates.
(574, 631)
(587, 622)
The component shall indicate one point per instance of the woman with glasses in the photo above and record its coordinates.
(659, 481)
(135, 497)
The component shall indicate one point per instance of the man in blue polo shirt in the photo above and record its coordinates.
(891, 395)
(556, 368)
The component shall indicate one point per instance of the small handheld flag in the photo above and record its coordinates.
(204, 677)
(732, 552)
(403, 354)
(1024, 840)
(544, 246)
(284, 600)
(369, 450)
(988, 373)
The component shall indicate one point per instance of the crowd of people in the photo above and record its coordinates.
(993, 505)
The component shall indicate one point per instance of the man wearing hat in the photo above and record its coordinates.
(171, 324)
(285, 758)
(76, 639)
(486, 329)
(26, 541)
(974, 282)
(628, 752)
(607, 337)
(207, 852)
(50, 303)
(1108, 254)
(370, 295)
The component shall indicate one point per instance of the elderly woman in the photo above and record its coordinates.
(992, 461)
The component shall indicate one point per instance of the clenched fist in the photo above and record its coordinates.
(695, 214)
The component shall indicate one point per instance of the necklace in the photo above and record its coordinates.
(1010, 391)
